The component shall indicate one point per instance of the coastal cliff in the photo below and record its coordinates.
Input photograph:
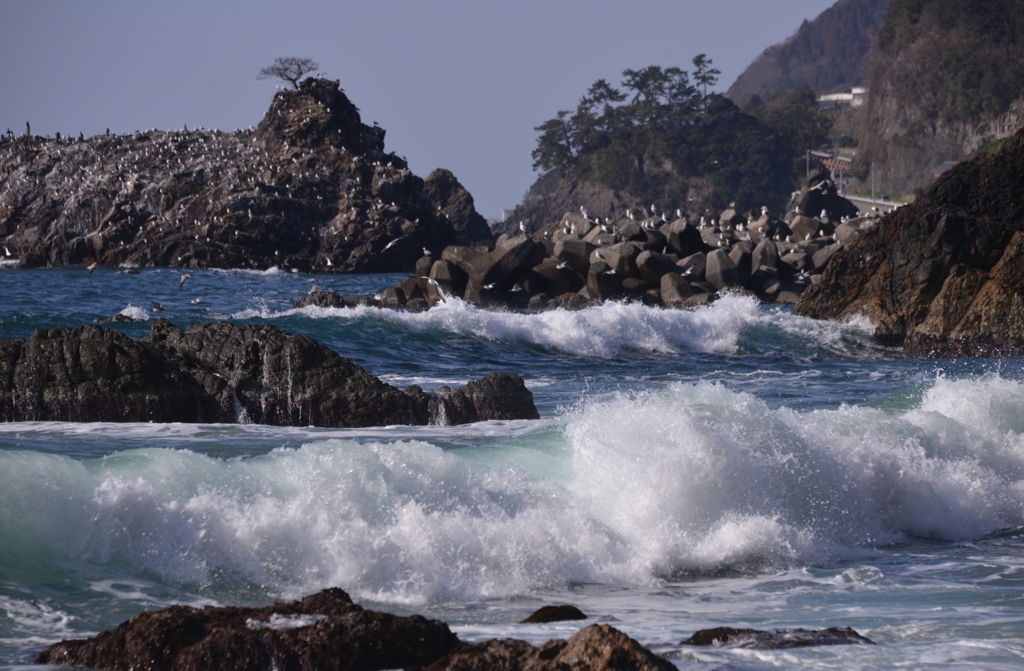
(310, 189)
(945, 275)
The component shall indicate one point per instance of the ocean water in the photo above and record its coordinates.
(731, 465)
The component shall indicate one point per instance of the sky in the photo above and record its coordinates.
(456, 84)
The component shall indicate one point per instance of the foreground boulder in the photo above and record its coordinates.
(325, 631)
(598, 647)
(225, 373)
(757, 639)
(945, 275)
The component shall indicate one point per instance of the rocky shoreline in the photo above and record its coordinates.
(328, 631)
(941, 277)
(647, 256)
(225, 373)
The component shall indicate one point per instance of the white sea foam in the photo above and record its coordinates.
(629, 490)
(608, 329)
(135, 312)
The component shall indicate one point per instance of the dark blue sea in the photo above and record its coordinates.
(729, 465)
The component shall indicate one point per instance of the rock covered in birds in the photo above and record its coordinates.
(578, 261)
(223, 372)
(311, 189)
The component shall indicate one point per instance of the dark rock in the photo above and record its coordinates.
(741, 256)
(819, 194)
(457, 205)
(940, 276)
(675, 290)
(322, 631)
(765, 255)
(683, 239)
(222, 372)
(756, 639)
(603, 283)
(450, 281)
(598, 647)
(329, 299)
(119, 318)
(574, 253)
(721, 271)
(555, 614)
(693, 267)
(823, 256)
(653, 265)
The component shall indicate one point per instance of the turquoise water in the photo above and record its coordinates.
(730, 465)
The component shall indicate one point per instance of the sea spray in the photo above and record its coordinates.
(626, 490)
(611, 328)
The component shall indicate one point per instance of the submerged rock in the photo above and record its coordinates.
(942, 276)
(325, 631)
(757, 639)
(223, 372)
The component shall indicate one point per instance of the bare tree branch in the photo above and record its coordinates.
(289, 69)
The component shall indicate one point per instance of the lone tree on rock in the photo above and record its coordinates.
(289, 69)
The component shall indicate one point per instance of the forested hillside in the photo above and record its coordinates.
(663, 137)
(828, 54)
(948, 79)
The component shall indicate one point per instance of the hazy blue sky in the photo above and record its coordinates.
(459, 85)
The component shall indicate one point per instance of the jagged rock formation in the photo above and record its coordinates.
(222, 372)
(756, 639)
(581, 260)
(322, 631)
(457, 206)
(828, 54)
(943, 276)
(310, 189)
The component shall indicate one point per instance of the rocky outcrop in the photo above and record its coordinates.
(941, 277)
(456, 205)
(311, 189)
(581, 260)
(222, 372)
(756, 639)
(598, 647)
(325, 631)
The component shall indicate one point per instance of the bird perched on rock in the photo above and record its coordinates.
(522, 227)
(426, 252)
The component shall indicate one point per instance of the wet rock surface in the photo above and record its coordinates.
(222, 372)
(311, 189)
(561, 613)
(598, 647)
(757, 639)
(325, 631)
(940, 277)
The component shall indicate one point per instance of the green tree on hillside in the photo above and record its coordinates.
(664, 127)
